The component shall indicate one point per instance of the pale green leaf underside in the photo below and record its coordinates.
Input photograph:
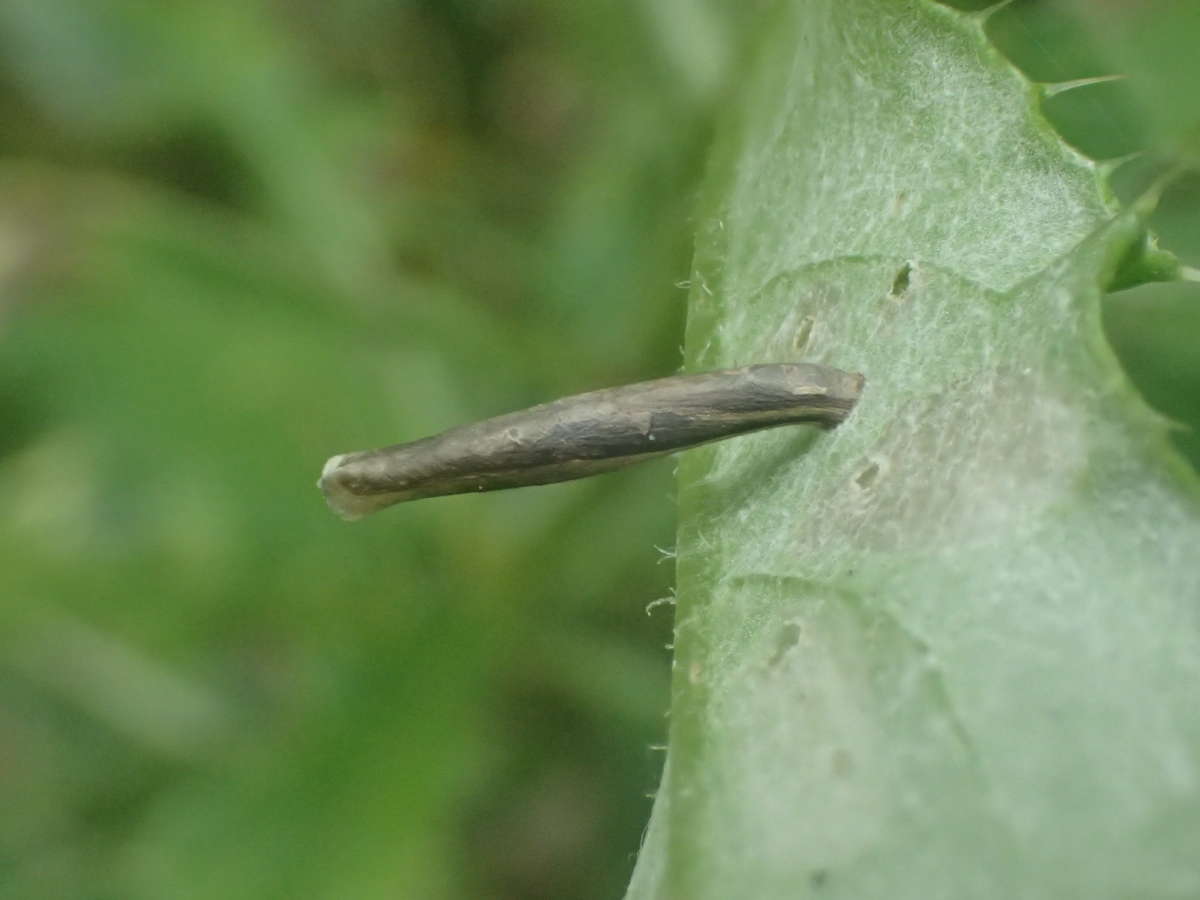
(953, 648)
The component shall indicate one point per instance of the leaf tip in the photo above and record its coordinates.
(1108, 166)
(982, 15)
(1054, 88)
(1144, 263)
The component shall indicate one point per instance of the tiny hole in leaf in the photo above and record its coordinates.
(901, 281)
(803, 333)
(789, 637)
(842, 762)
(867, 476)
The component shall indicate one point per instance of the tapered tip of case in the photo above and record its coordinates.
(341, 500)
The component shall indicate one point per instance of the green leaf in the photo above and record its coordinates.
(953, 648)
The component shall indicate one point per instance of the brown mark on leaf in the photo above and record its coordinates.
(841, 763)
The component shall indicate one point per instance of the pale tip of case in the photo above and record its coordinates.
(347, 505)
(332, 463)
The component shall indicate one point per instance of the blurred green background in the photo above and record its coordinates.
(238, 237)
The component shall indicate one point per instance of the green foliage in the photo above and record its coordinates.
(236, 238)
(953, 648)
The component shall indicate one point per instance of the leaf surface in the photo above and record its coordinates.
(953, 648)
